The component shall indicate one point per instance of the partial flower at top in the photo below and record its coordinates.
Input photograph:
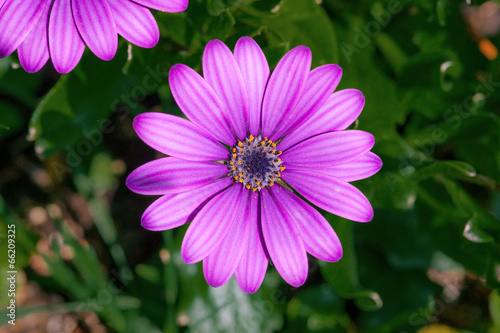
(60, 29)
(253, 143)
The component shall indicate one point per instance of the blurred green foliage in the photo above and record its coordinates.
(432, 103)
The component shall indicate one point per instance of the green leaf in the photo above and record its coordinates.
(275, 53)
(483, 154)
(263, 8)
(216, 312)
(318, 309)
(480, 219)
(304, 22)
(343, 275)
(494, 302)
(441, 12)
(399, 190)
(215, 7)
(471, 124)
(473, 231)
(219, 26)
(100, 180)
(380, 91)
(178, 27)
(393, 53)
(459, 196)
(454, 169)
(149, 273)
(84, 259)
(81, 102)
(443, 211)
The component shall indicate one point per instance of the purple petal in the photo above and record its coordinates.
(199, 102)
(284, 88)
(340, 111)
(223, 74)
(220, 265)
(1, 3)
(96, 25)
(361, 168)
(17, 19)
(330, 194)
(173, 175)
(319, 238)
(283, 241)
(173, 210)
(178, 137)
(170, 6)
(255, 71)
(320, 85)
(65, 44)
(34, 50)
(135, 23)
(211, 225)
(328, 149)
(253, 263)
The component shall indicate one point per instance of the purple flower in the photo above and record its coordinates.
(60, 29)
(249, 133)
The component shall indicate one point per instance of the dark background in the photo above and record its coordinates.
(430, 257)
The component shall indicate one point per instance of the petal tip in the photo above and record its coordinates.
(249, 289)
(146, 222)
(378, 163)
(213, 279)
(106, 56)
(62, 69)
(151, 43)
(366, 139)
(352, 93)
(130, 182)
(246, 41)
(175, 73)
(366, 216)
(188, 257)
(181, 6)
(139, 120)
(335, 68)
(249, 286)
(150, 228)
(334, 256)
(371, 139)
(136, 123)
(296, 281)
(30, 69)
(214, 43)
(107, 53)
(302, 48)
(305, 51)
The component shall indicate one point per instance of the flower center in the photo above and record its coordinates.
(254, 162)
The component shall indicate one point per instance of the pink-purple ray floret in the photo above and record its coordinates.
(60, 29)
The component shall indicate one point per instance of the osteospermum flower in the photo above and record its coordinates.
(60, 29)
(253, 143)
